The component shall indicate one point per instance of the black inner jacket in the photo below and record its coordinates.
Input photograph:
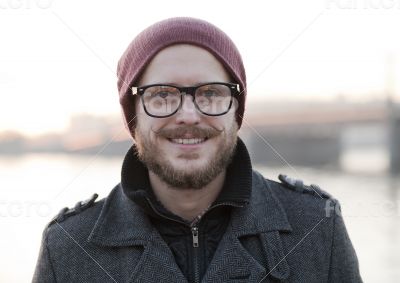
(176, 231)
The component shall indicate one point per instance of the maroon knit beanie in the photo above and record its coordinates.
(173, 31)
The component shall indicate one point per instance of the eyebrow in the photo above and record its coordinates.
(180, 85)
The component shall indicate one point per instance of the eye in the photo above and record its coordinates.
(213, 91)
(162, 94)
(209, 93)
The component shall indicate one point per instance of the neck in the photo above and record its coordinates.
(186, 203)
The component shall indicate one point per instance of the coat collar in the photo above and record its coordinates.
(264, 214)
(122, 222)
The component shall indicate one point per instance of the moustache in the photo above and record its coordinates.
(191, 131)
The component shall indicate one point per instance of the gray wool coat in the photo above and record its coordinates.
(288, 233)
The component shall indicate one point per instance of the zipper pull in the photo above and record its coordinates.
(195, 233)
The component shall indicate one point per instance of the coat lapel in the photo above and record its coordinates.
(157, 264)
(232, 263)
(121, 224)
(264, 218)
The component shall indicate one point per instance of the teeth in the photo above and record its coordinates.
(187, 141)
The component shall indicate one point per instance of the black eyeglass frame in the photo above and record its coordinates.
(191, 90)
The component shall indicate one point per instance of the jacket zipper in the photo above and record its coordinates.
(195, 236)
(195, 233)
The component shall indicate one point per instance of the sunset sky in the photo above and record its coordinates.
(58, 58)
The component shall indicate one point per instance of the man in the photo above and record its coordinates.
(189, 207)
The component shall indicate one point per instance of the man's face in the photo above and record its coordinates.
(159, 140)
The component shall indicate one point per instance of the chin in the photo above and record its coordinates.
(188, 165)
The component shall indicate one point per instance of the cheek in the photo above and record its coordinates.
(138, 106)
(226, 121)
(146, 125)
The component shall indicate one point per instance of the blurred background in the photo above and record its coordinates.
(323, 106)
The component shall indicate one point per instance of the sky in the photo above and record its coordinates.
(59, 58)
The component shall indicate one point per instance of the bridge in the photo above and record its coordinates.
(315, 133)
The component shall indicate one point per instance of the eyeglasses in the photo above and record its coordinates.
(163, 100)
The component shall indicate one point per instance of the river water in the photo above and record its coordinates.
(35, 187)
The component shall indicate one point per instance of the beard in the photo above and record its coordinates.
(153, 157)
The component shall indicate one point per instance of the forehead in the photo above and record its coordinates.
(184, 64)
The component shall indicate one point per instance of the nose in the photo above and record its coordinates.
(188, 113)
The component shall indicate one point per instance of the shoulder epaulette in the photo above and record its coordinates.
(298, 185)
(79, 207)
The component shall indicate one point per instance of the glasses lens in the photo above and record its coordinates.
(161, 100)
(213, 99)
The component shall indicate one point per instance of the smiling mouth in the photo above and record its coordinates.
(188, 141)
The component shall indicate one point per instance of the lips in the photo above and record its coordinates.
(188, 141)
(188, 136)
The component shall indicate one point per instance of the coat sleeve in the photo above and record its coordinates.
(44, 272)
(344, 262)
